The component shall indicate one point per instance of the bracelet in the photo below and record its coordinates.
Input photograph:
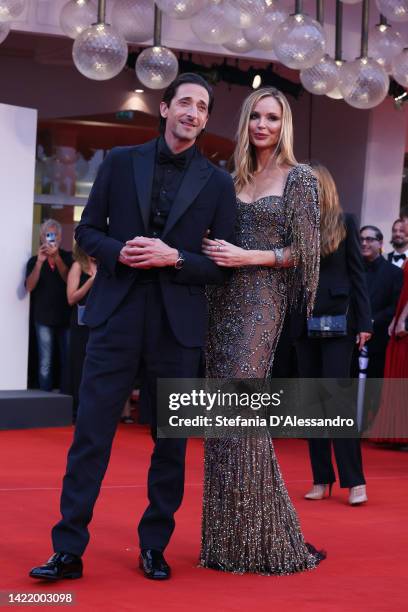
(278, 258)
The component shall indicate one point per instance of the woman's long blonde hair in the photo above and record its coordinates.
(244, 154)
(332, 228)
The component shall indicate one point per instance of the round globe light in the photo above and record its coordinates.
(180, 9)
(244, 13)
(4, 30)
(384, 43)
(363, 83)
(211, 26)
(100, 52)
(299, 42)
(394, 10)
(399, 68)
(11, 9)
(134, 20)
(261, 35)
(321, 78)
(156, 67)
(76, 16)
(238, 43)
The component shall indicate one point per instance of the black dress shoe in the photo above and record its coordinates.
(60, 565)
(154, 565)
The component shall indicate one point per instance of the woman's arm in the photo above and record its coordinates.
(74, 292)
(228, 255)
(400, 330)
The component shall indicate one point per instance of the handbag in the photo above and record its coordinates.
(327, 326)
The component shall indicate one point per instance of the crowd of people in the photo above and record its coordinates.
(279, 251)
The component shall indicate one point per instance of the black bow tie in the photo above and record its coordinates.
(178, 161)
(398, 257)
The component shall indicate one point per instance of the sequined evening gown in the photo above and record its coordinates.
(249, 523)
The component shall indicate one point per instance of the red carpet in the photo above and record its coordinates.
(366, 568)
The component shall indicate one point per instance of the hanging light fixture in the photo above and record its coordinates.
(299, 41)
(261, 35)
(134, 20)
(11, 9)
(210, 24)
(363, 83)
(335, 93)
(321, 78)
(384, 43)
(4, 30)
(76, 16)
(180, 9)
(100, 52)
(157, 66)
(394, 10)
(244, 13)
(399, 67)
(238, 43)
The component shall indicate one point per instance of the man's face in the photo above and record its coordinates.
(187, 114)
(399, 237)
(370, 245)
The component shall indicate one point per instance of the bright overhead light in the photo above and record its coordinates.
(139, 90)
(257, 81)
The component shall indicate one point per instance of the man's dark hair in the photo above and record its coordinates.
(399, 220)
(376, 230)
(182, 79)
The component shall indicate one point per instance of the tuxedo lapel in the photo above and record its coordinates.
(197, 175)
(143, 158)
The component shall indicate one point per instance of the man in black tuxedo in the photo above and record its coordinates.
(384, 282)
(399, 241)
(149, 209)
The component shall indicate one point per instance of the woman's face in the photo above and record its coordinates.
(265, 123)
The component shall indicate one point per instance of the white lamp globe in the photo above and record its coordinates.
(134, 20)
(394, 10)
(299, 42)
(238, 43)
(261, 35)
(100, 52)
(210, 25)
(399, 67)
(363, 83)
(384, 43)
(180, 9)
(76, 16)
(11, 9)
(321, 78)
(156, 67)
(244, 13)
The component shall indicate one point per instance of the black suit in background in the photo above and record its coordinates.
(342, 289)
(155, 323)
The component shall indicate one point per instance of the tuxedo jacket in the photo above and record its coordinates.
(384, 288)
(342, 285)
(119, 209)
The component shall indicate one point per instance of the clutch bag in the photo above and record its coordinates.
(327, 326)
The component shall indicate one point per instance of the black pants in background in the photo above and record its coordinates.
(331, 358)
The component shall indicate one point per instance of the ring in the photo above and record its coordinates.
(219, 248)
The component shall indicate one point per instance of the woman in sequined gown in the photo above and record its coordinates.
(249, 523)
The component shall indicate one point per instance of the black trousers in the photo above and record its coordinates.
(137, 336)
(331, 358)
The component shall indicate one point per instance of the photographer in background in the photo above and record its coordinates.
(46, 276)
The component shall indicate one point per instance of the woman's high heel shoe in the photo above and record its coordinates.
(318, 491)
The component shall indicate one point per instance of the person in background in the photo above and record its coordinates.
(391, 423)
(46, 276)
(399, 240)
(80, 280)
(341, 291)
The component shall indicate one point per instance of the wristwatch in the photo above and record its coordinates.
(180, 261)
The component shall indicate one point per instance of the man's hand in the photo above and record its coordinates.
(51, 250)
(145, 253)
(362, 338)
(42, 254)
